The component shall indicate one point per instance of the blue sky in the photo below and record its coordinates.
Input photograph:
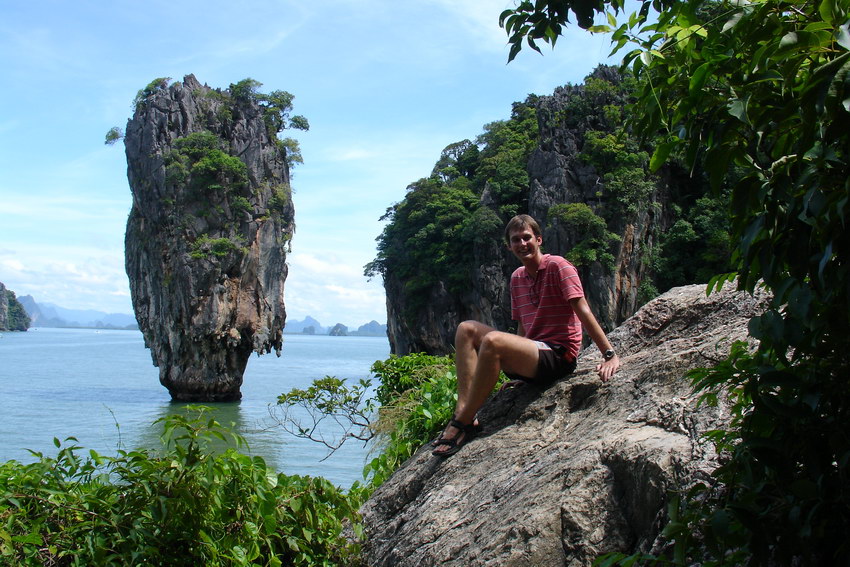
(385, 85)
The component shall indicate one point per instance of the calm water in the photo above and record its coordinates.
(82, 382)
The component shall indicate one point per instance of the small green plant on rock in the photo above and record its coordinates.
(206, 247)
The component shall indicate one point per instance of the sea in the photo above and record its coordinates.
(100, 387)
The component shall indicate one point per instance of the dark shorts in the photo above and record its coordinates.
(551, 366)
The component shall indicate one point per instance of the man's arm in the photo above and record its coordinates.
(608, 367)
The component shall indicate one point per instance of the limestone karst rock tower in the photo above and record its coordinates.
(209, 230)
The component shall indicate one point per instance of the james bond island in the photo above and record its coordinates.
(209, 229)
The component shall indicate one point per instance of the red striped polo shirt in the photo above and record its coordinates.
(542, 304)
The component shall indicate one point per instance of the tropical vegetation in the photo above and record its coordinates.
(17, 318)
(761, 88)
(436, 236)
(198, 500)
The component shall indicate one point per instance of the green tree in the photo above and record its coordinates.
(17, 317)
(596, 240)
(764, 86)
(277, 105)
(157, 84)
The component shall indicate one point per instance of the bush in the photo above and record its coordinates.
(400, 374)
(189, 505)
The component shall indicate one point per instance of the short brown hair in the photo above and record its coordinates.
(521, 222)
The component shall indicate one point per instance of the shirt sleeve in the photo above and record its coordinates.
(569, 281)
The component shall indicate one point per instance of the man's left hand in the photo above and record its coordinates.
(608, 367)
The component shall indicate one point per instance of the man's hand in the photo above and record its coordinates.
(607, 368)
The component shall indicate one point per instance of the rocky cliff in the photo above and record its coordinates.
(13, 316)
(4, 309)
(560, 476)
(597, 198)
(207, 235)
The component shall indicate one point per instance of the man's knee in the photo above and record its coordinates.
(492, 343)
(467, 330)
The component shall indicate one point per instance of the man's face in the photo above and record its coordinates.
(524, 244)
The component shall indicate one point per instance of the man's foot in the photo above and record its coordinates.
(463, 433)
(475, 428)
(511, 384)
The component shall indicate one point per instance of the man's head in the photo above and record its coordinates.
(521, 222)
(523, 237)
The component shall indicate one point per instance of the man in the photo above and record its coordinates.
(547, 301)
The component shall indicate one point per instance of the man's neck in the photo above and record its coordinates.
(532, 264)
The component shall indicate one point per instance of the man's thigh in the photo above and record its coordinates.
(517, 355)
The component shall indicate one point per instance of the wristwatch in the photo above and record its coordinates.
(609, 354)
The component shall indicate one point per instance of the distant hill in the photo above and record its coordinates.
(371, 329)
(51, 315)
(310, 326)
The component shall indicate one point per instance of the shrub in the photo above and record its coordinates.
(188, 505)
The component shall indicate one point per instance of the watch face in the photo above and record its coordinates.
(609, 354)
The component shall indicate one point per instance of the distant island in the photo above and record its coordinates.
(13, 317)
(310, 326)
(51, 315)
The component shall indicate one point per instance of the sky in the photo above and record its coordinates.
(385, 85)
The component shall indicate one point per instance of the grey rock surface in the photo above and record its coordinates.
(206, 258)
(558, 477)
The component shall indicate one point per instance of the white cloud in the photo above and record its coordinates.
(81, 279)
(332, 290)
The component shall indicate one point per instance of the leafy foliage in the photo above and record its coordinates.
(697, 246)
(201, 161)
(17, 317)
(415, 400)
(401, 374)
(596, 240)
(189, 505)
(206, 247)
(762, 87)
(329, 412)
(113, 135)
(276, 105)
(158, 84)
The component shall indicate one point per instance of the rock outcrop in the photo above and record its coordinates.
(207, 235)
(4, 309)
(560, 476)
(13, 316)
(559, 175)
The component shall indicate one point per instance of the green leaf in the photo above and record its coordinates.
(659, 156)
(843, 37)
(738, 108)
(698, 79)
(826, 9)
(31, 538)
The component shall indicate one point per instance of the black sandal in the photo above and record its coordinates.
(475, 427)
(465, 434)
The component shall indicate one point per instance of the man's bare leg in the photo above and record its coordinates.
(468, 339)
(481, 352)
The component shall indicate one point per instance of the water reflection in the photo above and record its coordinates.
(261, 441)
